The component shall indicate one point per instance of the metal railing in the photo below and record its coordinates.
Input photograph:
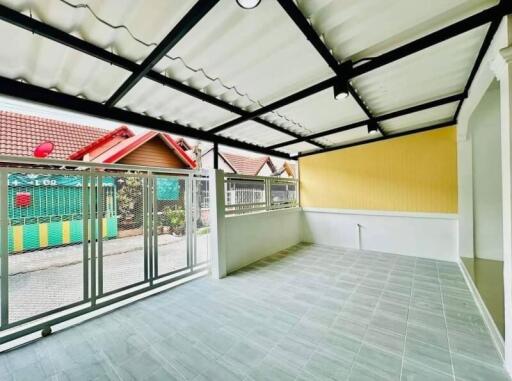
(77, 236)
(250, 194)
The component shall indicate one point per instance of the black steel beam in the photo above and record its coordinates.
(391, 115)
(387, 137)
(193, 16)
(465, 25)
(278, 104)
(309, 32)
(38, 94)
(215, 155)
(481, 54)
(52, 33)
(486, 16)
(32, 25)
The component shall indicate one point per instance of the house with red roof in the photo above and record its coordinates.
(239, 164)
(21, 134)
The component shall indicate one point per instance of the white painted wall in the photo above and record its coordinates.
(252, 237)
(484, 130)
(428, 235)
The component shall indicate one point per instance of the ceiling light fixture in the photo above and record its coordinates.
(340, 89)
(248, 4)
(373, 128)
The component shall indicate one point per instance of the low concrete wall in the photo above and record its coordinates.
(252, 237)
(427, 235)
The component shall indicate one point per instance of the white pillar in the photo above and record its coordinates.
(217, 224)
(502, 66)
(465, 192)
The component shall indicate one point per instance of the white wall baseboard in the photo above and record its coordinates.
(427, 235)
(497, 339)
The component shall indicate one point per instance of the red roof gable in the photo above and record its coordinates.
(245, 165)
(123, 132)
(123, 148)
(20, 134)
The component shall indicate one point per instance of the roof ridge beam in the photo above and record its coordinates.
(462, 26)
(390, 115)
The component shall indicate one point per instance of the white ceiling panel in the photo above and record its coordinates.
(156, 100)
(252, 132)
(432, 73)
(356, 29)
(420, 119)
(353, 135)
(261, 52)
(130, 28)
(42, 62)
(319, 112)
(298, 147)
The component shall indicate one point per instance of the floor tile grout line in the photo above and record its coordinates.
(446, 324)
(407, 322)
(366, 332)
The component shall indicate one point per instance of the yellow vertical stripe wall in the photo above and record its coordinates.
(415, 173)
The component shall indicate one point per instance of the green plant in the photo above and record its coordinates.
(174, 218)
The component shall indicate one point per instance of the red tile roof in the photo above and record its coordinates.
(20, 134)
(130, 144)
(246, 165)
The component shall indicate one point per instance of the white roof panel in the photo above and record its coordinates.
(130, 28)
(252, 58)
(432, 73)
(356, 29)
(298, 147)
(353, 135)
(420, 119)
(261, 52)
(43, 62)
(320, 112)
(252, 132)
(159, 101)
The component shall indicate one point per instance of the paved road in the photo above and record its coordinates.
(48, 279)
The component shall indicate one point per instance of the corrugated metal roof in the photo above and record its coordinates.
(252, 58)
(420, 119)
(430, 74)
(357, 29)
(253, 132)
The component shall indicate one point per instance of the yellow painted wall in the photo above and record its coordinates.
(416, 173)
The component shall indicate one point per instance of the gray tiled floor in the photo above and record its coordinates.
(307, 313)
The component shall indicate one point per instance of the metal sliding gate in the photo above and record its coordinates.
(76, 237)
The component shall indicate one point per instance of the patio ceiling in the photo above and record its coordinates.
(257, 79)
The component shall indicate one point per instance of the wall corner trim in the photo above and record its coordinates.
(498, 341)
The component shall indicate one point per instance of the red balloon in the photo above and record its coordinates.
(44, 150)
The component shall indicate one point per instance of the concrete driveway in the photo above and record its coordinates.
(43, 280)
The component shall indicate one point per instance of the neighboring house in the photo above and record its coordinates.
(20, 134)
(45, 210)
(286, 170)
(239, 164)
